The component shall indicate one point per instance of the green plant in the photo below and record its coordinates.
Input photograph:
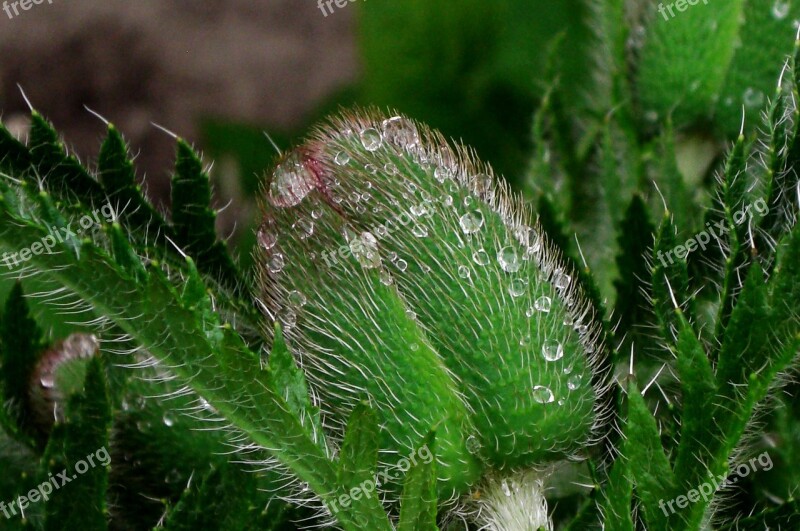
(416, 347)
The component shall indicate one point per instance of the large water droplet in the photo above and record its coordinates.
(542, 394)
(400, 131)
(543, 304)
(471, 222)
(480, 257)
(371, 139)
(365, 249)
(552, 350)
(291, 182)
(509, 259)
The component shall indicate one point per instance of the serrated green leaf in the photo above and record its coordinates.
(116, 173)
(194, 220)
(80, 502)
(289, 382)
(746, 336)
(21, 344)
(699, 430)
(358, 458)
(635, 240)
(649, 466)
(64, 175)
(670, 277)
(418, 504)
(222, 499)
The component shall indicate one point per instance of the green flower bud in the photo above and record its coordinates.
(405, 273)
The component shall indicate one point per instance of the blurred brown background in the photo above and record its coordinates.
(173, 62)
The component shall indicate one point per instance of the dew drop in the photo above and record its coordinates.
(287, 317)
(316, 213)
(447, 201)
(542, 394)
(509, 259)
(525, 340)
(291, 183)
(574, 381)
(463, 271)
(365, 249)
(305, 226)
(386, 278)
(473, 445)
(753, 97)
(400, 132)
(390, 168)
(471, 222)
(480, 257)
(371, 168)
(47, 381)
(441, 174)
(530, 311)
(342, 158)
(516, 288)
(276, 263)
(297, 298)
(506, 490)
(266, 239)
(420, 231)
(543, 304)
(371, 139)
(780, 9)
(169, 420)
(483, 186)
(552, 350)
(401, 264)
(561, 280)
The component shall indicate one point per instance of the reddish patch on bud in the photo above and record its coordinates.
(47, 400)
